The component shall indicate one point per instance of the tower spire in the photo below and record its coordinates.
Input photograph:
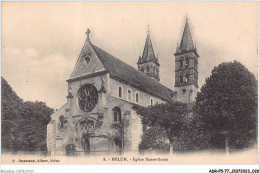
(148, 53)
(186, 41)
(186, 67)
(149, 63)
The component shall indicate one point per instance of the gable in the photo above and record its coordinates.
(87, 63)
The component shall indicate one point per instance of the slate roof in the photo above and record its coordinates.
(126, 73)
(148, 53)
(186, 41)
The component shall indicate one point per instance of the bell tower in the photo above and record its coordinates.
(148, 63)
(186, 68)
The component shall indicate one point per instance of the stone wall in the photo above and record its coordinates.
(186, 94)
(144, 98)
(51, 135)
(102, 115)
(136, 132)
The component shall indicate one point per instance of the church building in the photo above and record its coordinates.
(104, 94)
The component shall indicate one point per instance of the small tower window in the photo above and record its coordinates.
(186, 78)
(151, 102)
(195, 79)
(186, 62)
(181, 63)
(136, 97)
(120, 91)
(142, 69)
(129, 95)
(181, 78)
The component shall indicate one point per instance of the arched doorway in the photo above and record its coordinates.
(85, 143)
(118, 142)
(116, 137)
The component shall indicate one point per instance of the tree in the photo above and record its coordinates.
(155, 138)
(24, 124)
(227, 104)
(10, 103)
(36, 110)
(169, 116)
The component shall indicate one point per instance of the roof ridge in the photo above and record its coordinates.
(122, 62)
(129, 66)
(78, 58)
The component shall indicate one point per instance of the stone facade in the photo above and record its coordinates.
(102, 116)
(103, 95)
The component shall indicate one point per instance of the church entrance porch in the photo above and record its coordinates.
(90, 139)
(99, 146)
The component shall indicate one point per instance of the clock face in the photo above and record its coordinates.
(87, 97)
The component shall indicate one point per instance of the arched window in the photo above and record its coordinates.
(117, 114)
(136, 97)
(186, 62)
(142, 69)
(147, 68)
(120, 92)
(181, 63)
(129, 95)
(195, 79)
(62, 120)
(186, 77)
(151, 102)
(181, 78)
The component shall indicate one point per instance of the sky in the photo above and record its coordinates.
(41, 41)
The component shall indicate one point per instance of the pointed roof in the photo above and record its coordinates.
(148, 53)
(186, 41)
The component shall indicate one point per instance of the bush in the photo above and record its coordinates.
(70, 149)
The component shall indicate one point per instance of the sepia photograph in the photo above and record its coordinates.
(129, 83)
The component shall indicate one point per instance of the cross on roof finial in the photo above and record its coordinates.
(148, 30)
(186, 17)
(87, 33)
